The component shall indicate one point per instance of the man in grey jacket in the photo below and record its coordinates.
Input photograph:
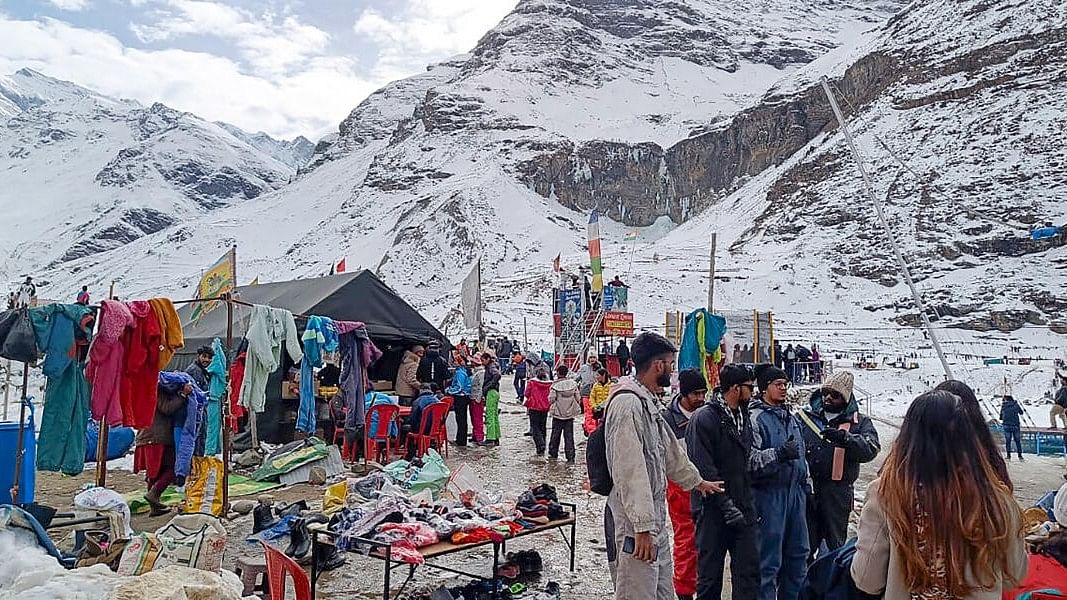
(642, 454)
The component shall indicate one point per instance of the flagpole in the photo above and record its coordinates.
(481, 329)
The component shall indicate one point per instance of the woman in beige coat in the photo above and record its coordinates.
(939, 524)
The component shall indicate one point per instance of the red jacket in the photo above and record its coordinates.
(537, 395)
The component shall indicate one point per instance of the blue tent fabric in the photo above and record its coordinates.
(119, 441)
(1044, 232)
(13, 517)
(690, 355)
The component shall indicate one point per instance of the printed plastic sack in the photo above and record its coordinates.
(334, 498)
(141, 554)
(464, 481)
(197, 541)
(432, 476)
(203, 487)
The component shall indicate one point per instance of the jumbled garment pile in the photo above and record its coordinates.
(378, 510)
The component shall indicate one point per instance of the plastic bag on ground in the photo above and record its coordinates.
(103, 499)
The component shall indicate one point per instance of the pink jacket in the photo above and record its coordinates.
(107, 361)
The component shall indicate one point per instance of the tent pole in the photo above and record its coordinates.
(22, 434)
(101, 452)
(7, 386)
(226, 416)
(901, 264)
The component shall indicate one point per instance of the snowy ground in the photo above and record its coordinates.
(511, 468)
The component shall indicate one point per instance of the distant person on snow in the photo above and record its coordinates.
(1059, 407)
(1010, 411)
(617, 282)
(83, 296)
(27, 293)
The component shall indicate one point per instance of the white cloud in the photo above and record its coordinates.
(71, 5)
(270, 44)
(424, 31)
(309, 102)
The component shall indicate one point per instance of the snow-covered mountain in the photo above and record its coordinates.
(659, 113)
(84, 173)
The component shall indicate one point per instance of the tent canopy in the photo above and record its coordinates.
(358, 296)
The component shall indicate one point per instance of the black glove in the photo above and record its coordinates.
(731, 514)
(790, 450)
(837, 437)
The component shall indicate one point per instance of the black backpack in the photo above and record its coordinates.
(596, 456)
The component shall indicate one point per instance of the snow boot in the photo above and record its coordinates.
(299, 539)
(262, 517)
(328, 557)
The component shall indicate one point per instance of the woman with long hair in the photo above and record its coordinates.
(939, 523)
(985, 437)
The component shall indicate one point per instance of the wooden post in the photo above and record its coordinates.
(7, 386)
(711, 275)
(226, 416)
(101, 452)
(22, 434)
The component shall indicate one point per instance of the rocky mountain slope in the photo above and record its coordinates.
(660, 113)
(84, 173)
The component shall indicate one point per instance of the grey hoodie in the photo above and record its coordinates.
(563, 399)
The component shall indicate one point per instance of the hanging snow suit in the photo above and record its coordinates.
(107, 356)
(140, 385)
(315, 343)
(268, 328)
(216, 395)
(60, 330)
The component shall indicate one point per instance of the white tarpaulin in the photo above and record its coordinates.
(471, 297)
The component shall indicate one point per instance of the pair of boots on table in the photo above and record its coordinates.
(327, 556)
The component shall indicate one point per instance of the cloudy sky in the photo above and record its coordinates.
(289, 68)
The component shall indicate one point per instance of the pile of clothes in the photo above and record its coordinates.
(376, 509)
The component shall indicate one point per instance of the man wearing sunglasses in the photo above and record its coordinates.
(719, 440)
(845, 440)
(781, 486)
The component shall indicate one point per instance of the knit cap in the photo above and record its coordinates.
(766, 373)
(691, 380)
(841, 382)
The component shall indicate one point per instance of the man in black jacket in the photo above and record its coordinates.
(719, 439)
(433, 368)
(845, 440)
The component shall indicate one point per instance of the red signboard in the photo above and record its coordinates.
(618, 323)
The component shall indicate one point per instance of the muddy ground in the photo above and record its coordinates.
(508, 469)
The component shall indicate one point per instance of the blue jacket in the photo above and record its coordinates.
(374, 399)
(1010, 412)
(461, 383)
(185, 442)
(415, 418)
(772, 427)
(691, 354)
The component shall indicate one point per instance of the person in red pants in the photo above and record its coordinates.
(692, 389)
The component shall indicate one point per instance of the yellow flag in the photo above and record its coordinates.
(217, 280)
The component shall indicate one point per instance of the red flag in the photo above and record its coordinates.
(340, 268)
(555, 264)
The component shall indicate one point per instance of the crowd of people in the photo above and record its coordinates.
(740, 474)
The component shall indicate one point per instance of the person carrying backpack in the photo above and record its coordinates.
(642, 454)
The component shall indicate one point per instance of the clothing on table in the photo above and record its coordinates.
(170, 325)
(538, 429)
(268, 329)
(107, 357)
(780, 489)
(564, 428)
(876, 566)
(60, 331)
(642, 454)
(216, 394)
(314, 341)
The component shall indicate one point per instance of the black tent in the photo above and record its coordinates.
(358, 296)
(393, 324)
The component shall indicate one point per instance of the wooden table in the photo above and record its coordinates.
(381, 551)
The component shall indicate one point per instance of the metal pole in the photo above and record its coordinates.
(22, 434)
(7, 386)
(711, 274)
(111, 290)
(481, 328)
(525, 335)
(905, 273)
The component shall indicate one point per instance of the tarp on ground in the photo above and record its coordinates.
(357, 296)
(289, 457)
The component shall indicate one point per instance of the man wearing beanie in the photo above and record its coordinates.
(692, 388)
(719, 441)
(780, 485)
(846, 439)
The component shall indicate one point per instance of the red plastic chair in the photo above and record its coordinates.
(387, 414)
(442, 437)
(278, 566)
(433, 417)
